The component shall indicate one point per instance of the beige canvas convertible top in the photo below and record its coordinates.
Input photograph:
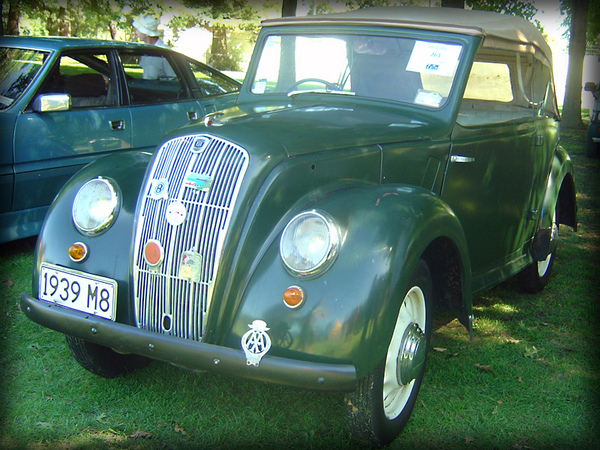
(500, 31)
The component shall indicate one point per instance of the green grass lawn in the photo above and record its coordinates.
(529, 379)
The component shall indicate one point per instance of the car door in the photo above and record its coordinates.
(490, 176)
(51, 146)
(163, 94)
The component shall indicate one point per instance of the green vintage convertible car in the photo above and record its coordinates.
(378, 165)
(65, 102)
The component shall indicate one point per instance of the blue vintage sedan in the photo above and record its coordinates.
(64, 102)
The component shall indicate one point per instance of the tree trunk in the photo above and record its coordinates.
(218, 48)
(571, 113)
(64, 25)
(113, 30)
(288, 8)
(12, 25)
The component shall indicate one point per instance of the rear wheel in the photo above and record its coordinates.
(379, 408)
(535, 277)
(103, 361)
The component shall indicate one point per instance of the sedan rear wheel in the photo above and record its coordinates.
(379, 408)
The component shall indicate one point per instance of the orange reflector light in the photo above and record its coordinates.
(78, 252)
(293, 297)
(153, 253)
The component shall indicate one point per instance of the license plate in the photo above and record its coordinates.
(78, 290)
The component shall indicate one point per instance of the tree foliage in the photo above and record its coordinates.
(513, 7)
(593, 19)
(79, 18)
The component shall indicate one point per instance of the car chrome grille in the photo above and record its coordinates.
(165, 302)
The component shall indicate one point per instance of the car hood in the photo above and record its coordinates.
(310, 127)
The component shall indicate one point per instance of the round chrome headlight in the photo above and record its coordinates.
(309, 243)
(95, 206)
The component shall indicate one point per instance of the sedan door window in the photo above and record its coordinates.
(152, 78)
(210, 81)
(86, 77)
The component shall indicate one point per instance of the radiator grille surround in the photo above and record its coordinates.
(204, 174)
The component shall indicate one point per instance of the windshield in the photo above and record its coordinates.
(18, 68)
(408, 70)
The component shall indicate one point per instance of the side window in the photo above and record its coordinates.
(489, 81)
(494, 91)
(151, 78)
(211, 82)
(86, 77)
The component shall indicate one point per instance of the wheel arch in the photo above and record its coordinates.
(567, 204)
(449, 279)
(561, 188)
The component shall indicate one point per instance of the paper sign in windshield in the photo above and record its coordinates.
(434, 58)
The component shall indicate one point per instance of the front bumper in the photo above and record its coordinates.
(192, 355)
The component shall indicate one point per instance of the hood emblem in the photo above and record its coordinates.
(256, 342)
(200, 144)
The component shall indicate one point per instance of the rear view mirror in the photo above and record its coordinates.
(51, 103)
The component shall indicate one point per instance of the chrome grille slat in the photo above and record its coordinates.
(161, 292)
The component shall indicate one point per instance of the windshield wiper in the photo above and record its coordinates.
(318, 91)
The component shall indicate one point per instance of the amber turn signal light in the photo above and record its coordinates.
(293, 297)
(78, 252)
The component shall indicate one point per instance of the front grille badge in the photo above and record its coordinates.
(190, 267)
(256, 342)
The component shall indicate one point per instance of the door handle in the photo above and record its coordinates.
(538, 140)
(116, 125)
(461, 159)
(192, 115)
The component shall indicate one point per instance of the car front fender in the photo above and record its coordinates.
(350, 309)
(108, 251)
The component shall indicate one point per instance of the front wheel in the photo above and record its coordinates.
(103, 361)
(379, 408)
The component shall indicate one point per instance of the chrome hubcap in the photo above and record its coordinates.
(406, 353)
(412, 354)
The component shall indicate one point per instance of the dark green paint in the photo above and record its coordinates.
(386, 176)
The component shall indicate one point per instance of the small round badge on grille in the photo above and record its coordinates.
(153, 253)
(176, 213)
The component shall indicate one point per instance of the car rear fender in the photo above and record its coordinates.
(560, 192)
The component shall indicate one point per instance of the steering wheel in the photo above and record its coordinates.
(327, 84)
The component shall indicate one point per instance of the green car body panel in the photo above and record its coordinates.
(471, 193)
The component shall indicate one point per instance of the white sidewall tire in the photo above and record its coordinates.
(372, 420)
